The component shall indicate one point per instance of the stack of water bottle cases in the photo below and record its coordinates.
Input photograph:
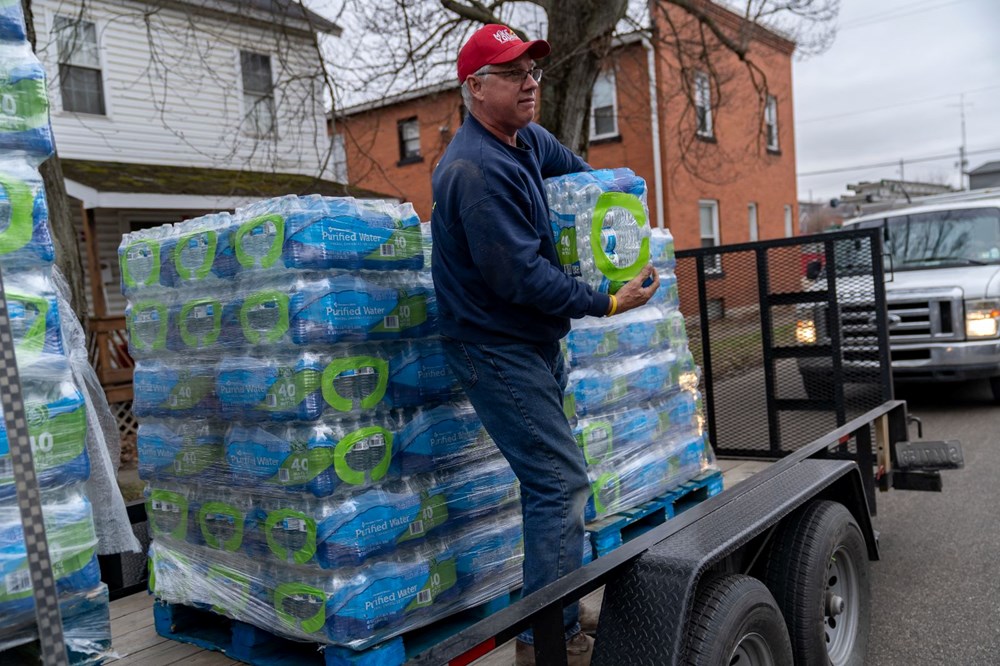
(54, 405)
(633, 384)
(313, 466)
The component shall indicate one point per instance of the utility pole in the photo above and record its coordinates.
(902, 172)
(962, 163)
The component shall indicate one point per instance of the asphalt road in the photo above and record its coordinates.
(936, 590)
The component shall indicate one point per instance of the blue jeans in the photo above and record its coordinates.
(517, 391)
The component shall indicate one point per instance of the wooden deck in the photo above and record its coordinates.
(136, 642)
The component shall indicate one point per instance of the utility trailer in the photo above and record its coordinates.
(774, 570)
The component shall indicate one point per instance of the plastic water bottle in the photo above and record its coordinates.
(181, 449)
(148, 324)
(661, 250)
(444, 437)
(608, 243)
(33, 311)
(199, 250)
(144, 259)
(195, 323)
(667, 296)
(476, 490)
(24, 230)
(258, 316)
(419, 375)
(353, 234)
(12, 22)
(57, 424)
(69, 527)
(174, 389)
(219, 516)
(355, 307)
(270, 388)
(24, 118)
(356, 378)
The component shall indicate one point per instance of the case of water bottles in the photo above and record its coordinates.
(632, 393)
(55, 406)
(313, 467)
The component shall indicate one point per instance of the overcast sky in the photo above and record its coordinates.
(889, 88)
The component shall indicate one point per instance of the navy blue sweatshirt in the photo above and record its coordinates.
(496, 271)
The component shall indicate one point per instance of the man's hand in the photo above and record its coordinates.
(633, 294)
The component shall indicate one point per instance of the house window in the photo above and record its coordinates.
(80, 82)
(708, 216)
(409, 141)
(771, 122)
(752, 218)
(603, 107)
(703, 104)
(788, 222)
(258, 92)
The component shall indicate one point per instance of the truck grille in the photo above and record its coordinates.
(925, 320)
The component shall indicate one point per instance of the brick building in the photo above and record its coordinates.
(719, 160)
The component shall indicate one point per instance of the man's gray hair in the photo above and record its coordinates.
(466, 93)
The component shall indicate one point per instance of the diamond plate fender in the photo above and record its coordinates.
(645, 611)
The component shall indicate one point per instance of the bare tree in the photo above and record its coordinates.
(407, 44)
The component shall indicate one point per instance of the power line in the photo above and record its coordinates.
(915, 160)
(895, 106)
(897, 12)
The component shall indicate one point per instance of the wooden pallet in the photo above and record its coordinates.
(257, 646)
(612, 531)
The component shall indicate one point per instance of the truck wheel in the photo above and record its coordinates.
(817, 569)
(735, 620)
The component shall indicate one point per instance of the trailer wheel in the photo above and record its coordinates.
(735, 620)
(817, 569)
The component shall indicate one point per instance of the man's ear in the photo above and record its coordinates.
(475, 87)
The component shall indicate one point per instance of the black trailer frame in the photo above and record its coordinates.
(652, 580)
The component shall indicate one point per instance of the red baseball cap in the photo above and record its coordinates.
(494, 44)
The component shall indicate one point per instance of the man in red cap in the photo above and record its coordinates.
(504, 301)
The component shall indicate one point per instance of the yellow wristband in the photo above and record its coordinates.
(614, 305)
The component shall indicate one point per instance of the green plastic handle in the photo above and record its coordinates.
(189, 338)
(341, 365)
(158, 495)
(34, 339)
(154, 274)
(302, 555)
(252, 335)
(346, 445)
(233, 542)
(585, 437)
(309, 625)
(161, 335)
(631, 203)
(18, 231)
(248, 261)
(200, 272)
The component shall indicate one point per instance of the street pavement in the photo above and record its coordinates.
(936, 590)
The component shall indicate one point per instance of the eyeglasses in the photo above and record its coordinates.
(518, 76)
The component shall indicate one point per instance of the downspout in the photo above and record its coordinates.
(654, 118)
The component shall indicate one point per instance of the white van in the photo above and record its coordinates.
(944, 295)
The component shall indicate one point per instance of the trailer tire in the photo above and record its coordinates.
(735, 619)
(817, 569)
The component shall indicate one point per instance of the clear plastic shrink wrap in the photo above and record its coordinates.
(64, 427)
(632, 394)
(313, 466)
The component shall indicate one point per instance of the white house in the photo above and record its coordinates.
(168, 109)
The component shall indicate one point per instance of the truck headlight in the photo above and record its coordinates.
(805, 331)
(981, 319)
